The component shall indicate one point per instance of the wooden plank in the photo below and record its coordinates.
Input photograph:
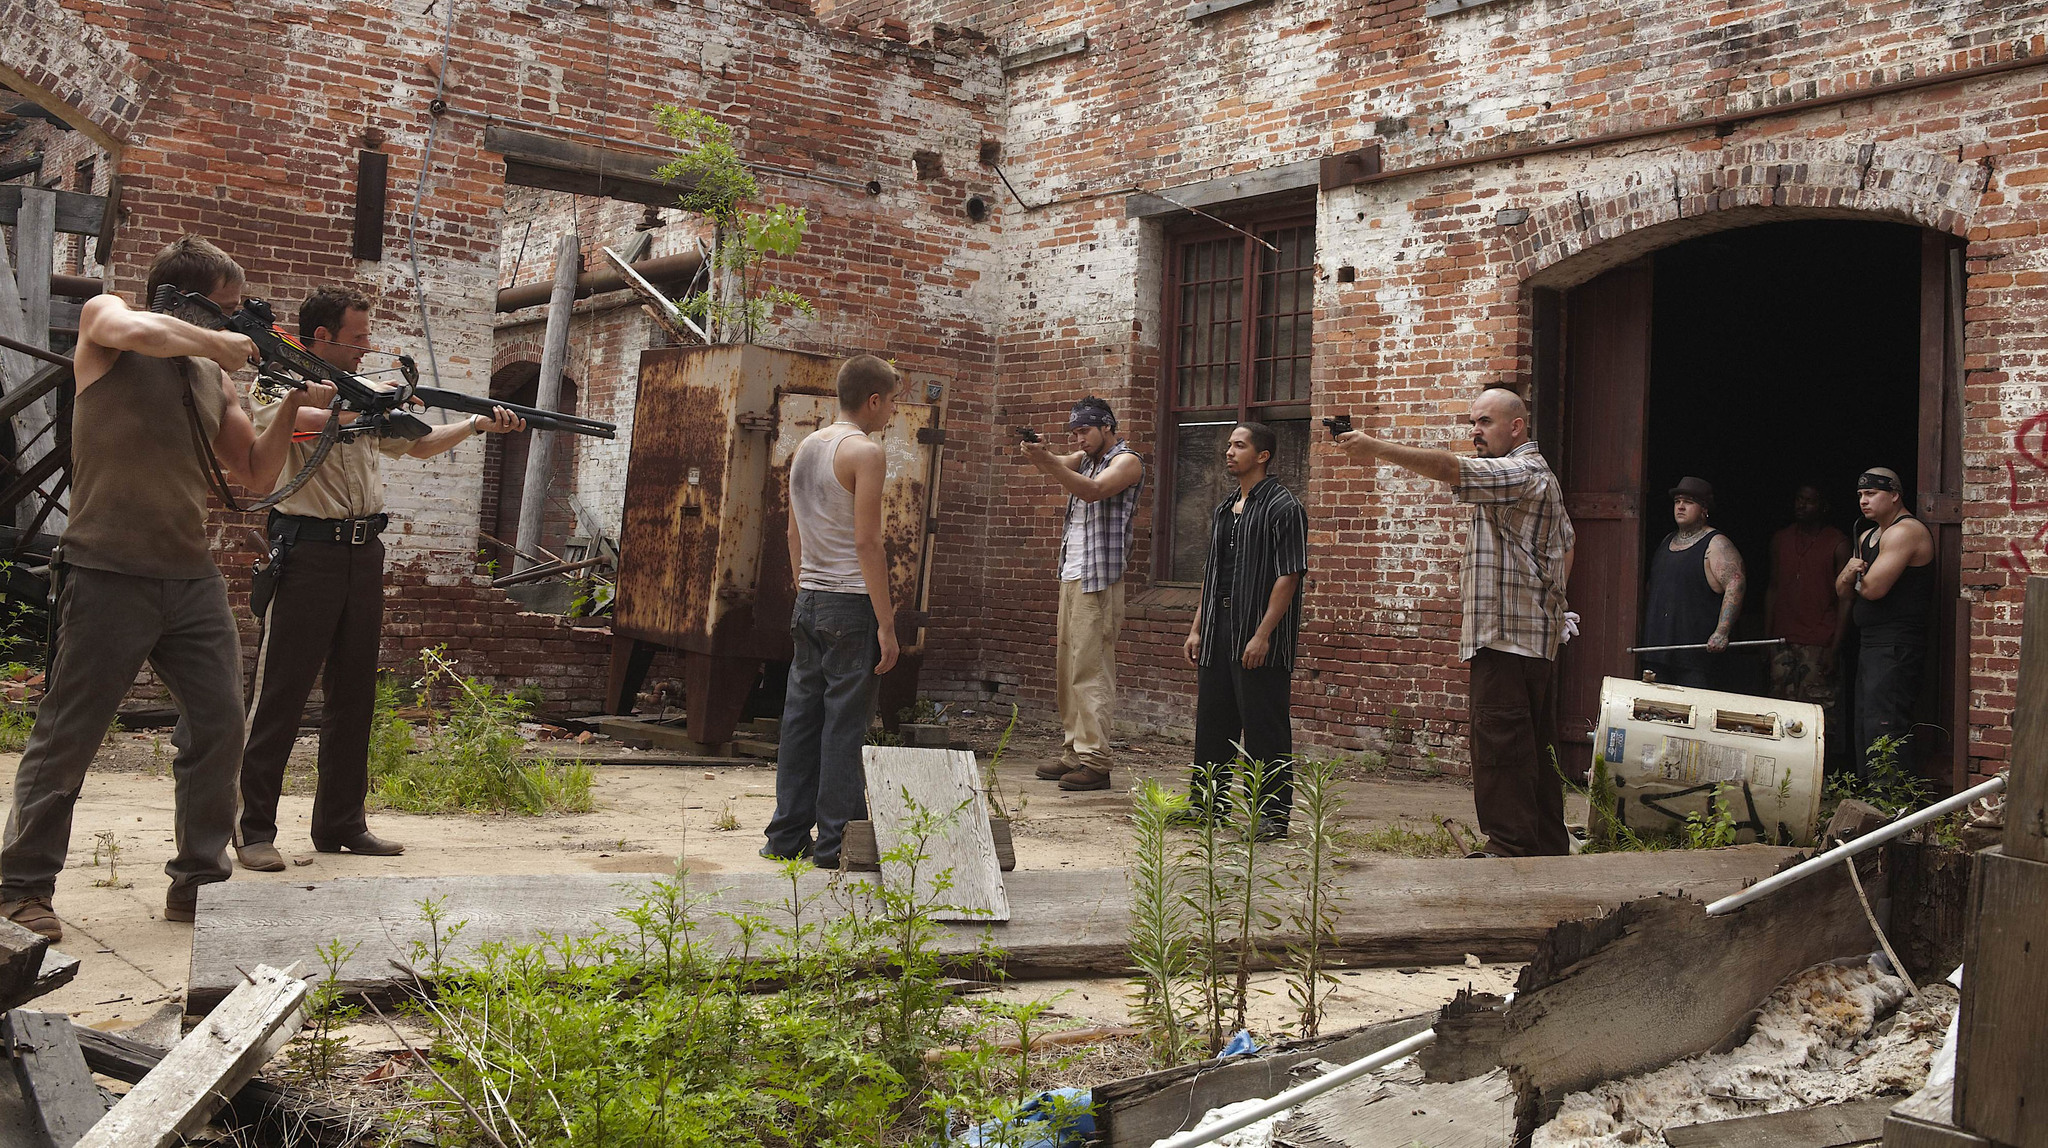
(35, 239)
(1395, 911)
(1658, 980)
(1828, 1126)
(1401, 1109)
(77, 213)
(21, 963)
(905, 783)
(373, 170)
(58, 970)
(63, 1101)
(1907, 1132)
(194, 1079)
(1072, 45)
(2002, 1039)
(1138, 1111)
(272, 1112)
(2026, 795)
(1300, 175)
(536, 160)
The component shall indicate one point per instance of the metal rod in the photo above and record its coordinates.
(1703, 645)
(1868, 841)
(1335, 1078)
(537, 573)
(35, 352)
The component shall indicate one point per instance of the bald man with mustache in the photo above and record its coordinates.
(1517, 562)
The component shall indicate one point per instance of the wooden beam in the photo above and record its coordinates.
(2002, 1037)
(1301, 175)
(1400, 1109)
(905, 784)
(1828, 1126)
(373, 171)
(63, 1102)
(21, 963)
(2026, 795)
(1064, 923)
(35, 239)
(264, 1108)
(536, 160)
(77, 213)
(214, 1060)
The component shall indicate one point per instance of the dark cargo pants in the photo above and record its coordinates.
(108, 625)
(1516, 788)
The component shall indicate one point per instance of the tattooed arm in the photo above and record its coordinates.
(1724, 573)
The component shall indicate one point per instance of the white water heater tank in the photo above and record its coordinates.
(1673, 750)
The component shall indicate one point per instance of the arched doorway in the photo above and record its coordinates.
(1759, 358)
(505, 467)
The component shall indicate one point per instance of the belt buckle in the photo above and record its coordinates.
(359, 532)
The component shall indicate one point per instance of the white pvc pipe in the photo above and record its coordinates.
(1808, 868)
(1300, 1092)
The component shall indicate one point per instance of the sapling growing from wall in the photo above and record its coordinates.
(735, 305)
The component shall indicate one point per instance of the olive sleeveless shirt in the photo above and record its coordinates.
(139, 486)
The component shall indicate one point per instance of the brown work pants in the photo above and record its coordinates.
(328, 610)
(108, 624)
(1084, 665)
(1516, 788)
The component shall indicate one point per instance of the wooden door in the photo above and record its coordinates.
(1603, 358)
(1940, 502)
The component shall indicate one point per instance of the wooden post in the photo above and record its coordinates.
(2002, 1044)
(533, 492)
(63, 1102)
(17, 369)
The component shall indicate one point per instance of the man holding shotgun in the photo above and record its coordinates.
(319, 597)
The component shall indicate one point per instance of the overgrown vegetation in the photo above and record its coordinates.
(824, 1019)
(1885, 782)
(471, 759)
(735, 304)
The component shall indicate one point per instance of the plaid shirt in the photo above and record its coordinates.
(1513, 570)
(1106, 525)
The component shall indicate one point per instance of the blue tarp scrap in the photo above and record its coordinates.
(1061, 1118)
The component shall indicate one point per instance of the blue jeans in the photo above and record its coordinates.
(825, 718)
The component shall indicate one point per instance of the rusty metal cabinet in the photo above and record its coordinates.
(703, 551)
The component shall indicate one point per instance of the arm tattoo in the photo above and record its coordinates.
(1726, 563)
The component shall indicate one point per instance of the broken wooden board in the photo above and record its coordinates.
(213, 1061)
(1841, 1125)
(1401, 1109)
(269, 1112)
(1658, 980)
(932, 799)
(57, 1089)
(21, 964)
(1395, 911)
(1136, 1112)
(1469, 1031)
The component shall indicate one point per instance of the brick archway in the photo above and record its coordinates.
(51, 55)
(1608, 224)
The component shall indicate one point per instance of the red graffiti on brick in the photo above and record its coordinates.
(2031, 444)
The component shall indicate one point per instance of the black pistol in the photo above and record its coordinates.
(1339, 425)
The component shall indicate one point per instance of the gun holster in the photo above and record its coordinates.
(269, 572)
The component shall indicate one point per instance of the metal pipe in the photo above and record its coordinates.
(1335, 1078)
(667, 269)
(1702, 645)
(1843, 852)
(35, 352)
(76, 286)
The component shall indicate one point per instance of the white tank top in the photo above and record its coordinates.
(824, 514)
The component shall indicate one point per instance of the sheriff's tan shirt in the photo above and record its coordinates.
(350, 481)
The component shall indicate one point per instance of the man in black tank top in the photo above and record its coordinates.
(1891, 578)
(1696, 587)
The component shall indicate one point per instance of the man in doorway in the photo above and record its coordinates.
(1243, 635)
(1802, 607)
(1695, 593)
(1891, 585)
(324, 582)
(136, 581)
(1513, 576)
(1102, 479)
(844, 625)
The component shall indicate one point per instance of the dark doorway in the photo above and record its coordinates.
(1781, 354)
(505, 467)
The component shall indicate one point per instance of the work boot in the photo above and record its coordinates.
(182, 904)
(1054, 770)
(35, 915)
(260, 856)
(1084, 778)
(366, 843)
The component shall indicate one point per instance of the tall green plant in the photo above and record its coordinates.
(1253, 881)
(1314, 902)
(1163, 925)
(718, 185)
(474, 755)
(1208, 897)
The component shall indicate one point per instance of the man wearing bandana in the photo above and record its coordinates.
(1891, 579)
(1102, 479)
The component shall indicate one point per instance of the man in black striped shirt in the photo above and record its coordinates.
(1243, 636)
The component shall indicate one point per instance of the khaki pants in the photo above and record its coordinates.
(1086, 669)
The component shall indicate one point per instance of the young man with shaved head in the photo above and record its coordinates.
(1518, 559)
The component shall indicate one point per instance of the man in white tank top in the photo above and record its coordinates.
(844, 625)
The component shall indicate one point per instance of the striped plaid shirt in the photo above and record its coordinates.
(1512, 576)
(1106, 524)
(1272, 542)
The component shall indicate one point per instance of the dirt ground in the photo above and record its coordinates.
(646, 816)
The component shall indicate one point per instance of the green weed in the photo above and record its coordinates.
(472, 759)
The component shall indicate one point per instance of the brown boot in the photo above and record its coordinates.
(35, 915)
(260, 856)
(1084, 778)
(1053, 770)
(182, 905)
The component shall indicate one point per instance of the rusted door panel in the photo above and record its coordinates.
(1940, 495)
(1606, 377)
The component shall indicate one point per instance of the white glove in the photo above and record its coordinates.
(1571, 625)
